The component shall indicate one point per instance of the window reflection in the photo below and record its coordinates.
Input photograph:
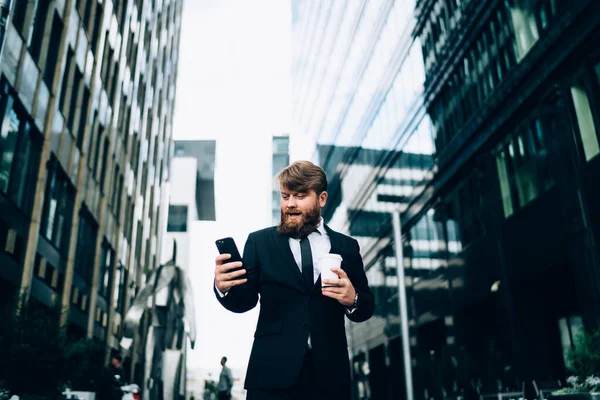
(105, 270)
(523, 17)
(523, 161)
(177, 218)
(20, 147)
(10, 132)
(58, 206)
(585, 121)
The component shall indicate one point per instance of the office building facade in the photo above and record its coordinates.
(87, 99)
(479, 122)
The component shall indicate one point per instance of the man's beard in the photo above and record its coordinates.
(304, 226)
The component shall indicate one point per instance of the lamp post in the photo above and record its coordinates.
(402, 303)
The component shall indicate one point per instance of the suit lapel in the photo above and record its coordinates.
(283, 246)
(334, 239)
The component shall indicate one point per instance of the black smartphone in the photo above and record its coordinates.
(227, 246)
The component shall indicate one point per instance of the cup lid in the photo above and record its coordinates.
(331, 255)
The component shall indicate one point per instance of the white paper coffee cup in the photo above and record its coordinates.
(327, 262)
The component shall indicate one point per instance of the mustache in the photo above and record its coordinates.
(306, 223)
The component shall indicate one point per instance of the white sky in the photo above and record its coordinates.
(233, 86)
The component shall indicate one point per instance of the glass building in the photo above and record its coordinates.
(204, 152)
(87, 91)
(280, 160)
(479, 121)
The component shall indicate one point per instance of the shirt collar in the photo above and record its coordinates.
(321, 228)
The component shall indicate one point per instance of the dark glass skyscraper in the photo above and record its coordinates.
(480, 122)
(87, 91)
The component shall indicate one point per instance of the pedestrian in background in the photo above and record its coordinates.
(225, 381)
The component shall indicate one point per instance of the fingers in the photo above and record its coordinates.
(340, 272)
(333, 289)
(345, 296)
(225, 278)
(333, 295)
(336, 282)
(230, 276)
(222, 257)
(223, 268)
(225, 286)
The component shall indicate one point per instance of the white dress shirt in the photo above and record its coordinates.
(319, 246)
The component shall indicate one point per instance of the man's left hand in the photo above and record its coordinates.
(342, 289)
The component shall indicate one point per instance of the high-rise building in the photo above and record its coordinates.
(479, 122)
(281, 159)
(87, 92)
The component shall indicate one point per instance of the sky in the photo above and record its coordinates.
(233, 86)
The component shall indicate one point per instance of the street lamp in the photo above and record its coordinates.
(402, 303)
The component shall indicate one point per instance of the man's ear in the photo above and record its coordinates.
(322, 199)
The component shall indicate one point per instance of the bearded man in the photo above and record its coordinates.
(300, 348)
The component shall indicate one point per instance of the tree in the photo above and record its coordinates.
(32, 351)
(585, 356)
(85, 364)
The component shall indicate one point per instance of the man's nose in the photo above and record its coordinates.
(291, 203)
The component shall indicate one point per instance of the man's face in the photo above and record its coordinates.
(223, 361)
(115, 362)
(300, 211)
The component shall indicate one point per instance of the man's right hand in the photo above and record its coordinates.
(225, 280)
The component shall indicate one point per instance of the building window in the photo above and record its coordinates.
(58, 207)
(523, 17)
(281, 144)
(523, 164)
(77, 81)
(585, 121)
(570, 328)
(39, 24)
(104, 160)
(501, 164)
(484, 66)
(95, 164)
(120, 289)
(97, 27)
(53, 46)
(83, 117)
(177, 221)
(85, 9)
(19, 13)
(465, 209)
(20, 147)
(62, 101)
(86, 246)
(280, 161)
(10, 134)
(105, 270)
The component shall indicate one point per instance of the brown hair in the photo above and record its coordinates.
(302, 176)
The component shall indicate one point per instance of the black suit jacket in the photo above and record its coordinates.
(290, 310)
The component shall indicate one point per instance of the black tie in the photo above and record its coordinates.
(307, 261)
